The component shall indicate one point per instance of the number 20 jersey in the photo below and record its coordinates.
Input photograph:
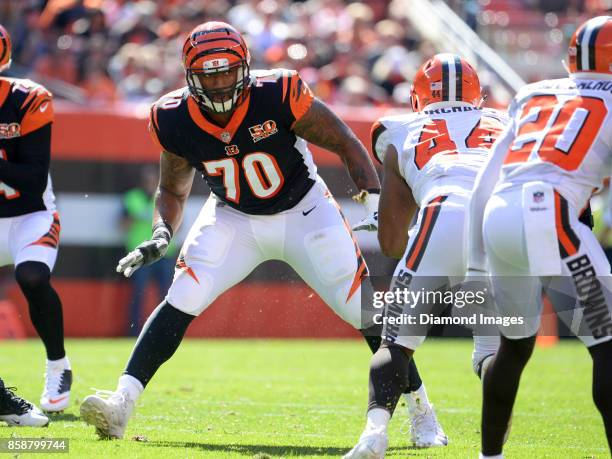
(560, 133)
(441, 149)
(256, 163)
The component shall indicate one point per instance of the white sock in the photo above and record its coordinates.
(131, 386)
(62, 363)
(417, 399)
(377, 419)
(497, 456)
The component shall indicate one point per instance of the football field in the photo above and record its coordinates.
(275, 398)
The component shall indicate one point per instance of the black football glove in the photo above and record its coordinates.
(148, 252)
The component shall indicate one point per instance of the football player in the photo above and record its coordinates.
(430, 161)
(16, 411)
(29, 223)
(245, 132)
(524, 223)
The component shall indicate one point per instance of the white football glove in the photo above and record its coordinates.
(370, 201)
(148, 252)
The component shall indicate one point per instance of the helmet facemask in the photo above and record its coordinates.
(219, 100)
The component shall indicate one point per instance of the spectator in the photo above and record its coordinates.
(137, 215)
(127, 49)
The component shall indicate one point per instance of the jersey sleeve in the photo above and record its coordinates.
(297, 95)
(159, 127)
(37, 107)
(379, 137)
(154, 128)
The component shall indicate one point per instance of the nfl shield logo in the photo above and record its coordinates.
(538, 196)
(226, 137)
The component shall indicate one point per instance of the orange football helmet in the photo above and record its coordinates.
(590, 49)
(445, 78)
(214, 47)
(5, 49)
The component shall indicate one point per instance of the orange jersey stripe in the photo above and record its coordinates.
(51, 238)
(213, 129)
(5, 87)
(360, 274)
(418, 248)
(300, 97)
(182, 266)
(568, 241)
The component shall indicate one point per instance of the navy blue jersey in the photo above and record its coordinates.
(26, 114)
(256, 163)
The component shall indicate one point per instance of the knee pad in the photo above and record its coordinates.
(32, 275)
(191, 290)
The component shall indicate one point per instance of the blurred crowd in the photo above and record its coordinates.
(350, 53)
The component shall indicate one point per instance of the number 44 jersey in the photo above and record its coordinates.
(440, 149)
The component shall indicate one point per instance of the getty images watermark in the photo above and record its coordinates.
(411, 306)
(398, 307)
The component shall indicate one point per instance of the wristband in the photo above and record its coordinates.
(162, 229)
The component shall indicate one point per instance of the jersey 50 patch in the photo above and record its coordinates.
(263, 131)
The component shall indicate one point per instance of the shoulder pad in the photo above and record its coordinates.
(160, 114)
(271, 75)
(35, 103)
(170, 100)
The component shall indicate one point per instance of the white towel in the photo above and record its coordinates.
(540, 231)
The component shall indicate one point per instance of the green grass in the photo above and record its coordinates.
(306, 399)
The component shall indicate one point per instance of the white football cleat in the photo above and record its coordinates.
(108, 412)
(371, 445)
(16, 411)
(56, 395)
(425, 430)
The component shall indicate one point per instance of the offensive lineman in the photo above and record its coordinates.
(430, 160)
(246, 133)
(29, 224)
(543, 170)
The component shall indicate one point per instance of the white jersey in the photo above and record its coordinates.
(560, 133)
(441, 149)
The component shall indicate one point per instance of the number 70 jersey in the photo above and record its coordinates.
(560, 133)
(441, 149)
